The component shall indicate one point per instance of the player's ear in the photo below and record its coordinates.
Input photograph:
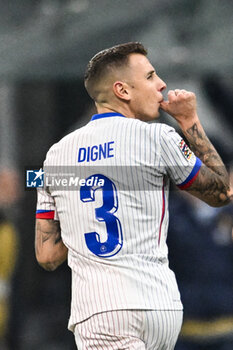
(121, 90)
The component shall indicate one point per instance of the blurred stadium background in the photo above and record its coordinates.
(44, 48)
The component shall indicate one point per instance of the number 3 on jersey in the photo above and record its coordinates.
(114, 241)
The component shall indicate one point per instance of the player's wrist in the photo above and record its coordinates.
(187, 123)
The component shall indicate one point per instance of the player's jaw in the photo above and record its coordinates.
(153, 107)
(148, 110)
(146, 101)
(154, 101)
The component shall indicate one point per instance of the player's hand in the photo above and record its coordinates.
(181, 105)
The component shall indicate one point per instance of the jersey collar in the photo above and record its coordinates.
(106, 115)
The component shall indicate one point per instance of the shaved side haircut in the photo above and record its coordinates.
(104, 61)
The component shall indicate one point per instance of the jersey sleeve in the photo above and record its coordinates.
(180, 163)
(45, 208)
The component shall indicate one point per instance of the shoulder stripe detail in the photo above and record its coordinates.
(45, 214)
(192, 176)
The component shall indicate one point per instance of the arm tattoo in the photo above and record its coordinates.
(52, 232)
(213, 182)
(202, 147)
(48, 233)
(209, 187)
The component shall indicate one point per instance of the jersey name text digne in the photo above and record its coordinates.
(96, 152)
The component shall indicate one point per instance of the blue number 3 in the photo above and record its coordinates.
(114, 241)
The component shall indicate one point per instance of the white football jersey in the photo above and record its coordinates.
(110, 195)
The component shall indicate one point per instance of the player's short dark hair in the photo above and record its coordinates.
(115, 56)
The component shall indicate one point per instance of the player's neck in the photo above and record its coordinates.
(117, 109)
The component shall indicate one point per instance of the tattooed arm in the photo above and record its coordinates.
(50, 250)
(212, 183)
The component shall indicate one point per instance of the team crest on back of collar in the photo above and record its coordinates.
(186, 151)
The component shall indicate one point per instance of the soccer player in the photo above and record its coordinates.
(113, 228)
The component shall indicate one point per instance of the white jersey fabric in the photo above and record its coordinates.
(130, 329)
(116, 232)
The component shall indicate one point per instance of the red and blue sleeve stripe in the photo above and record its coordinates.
(45, 214)
(192, 176)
